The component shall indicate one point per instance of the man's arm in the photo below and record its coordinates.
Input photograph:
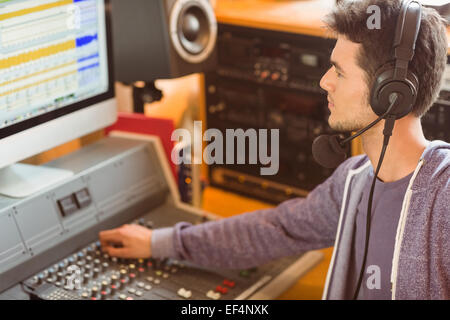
(253, 238)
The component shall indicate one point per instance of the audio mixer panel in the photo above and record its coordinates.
(270, 80)
(50, 248)
(103, 277)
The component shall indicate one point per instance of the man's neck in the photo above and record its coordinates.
(405, 148)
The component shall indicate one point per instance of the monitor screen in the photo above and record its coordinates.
(54, 60)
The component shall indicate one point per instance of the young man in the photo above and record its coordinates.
(410, 230)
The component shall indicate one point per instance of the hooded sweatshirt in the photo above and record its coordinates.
(326, 217)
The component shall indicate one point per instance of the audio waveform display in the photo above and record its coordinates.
(39, 8)
(52, 53)
(92, 56)
(33, 55)
(82, 41)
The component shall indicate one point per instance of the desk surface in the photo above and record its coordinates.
(303, 17)
(291, 16)
(226, 204)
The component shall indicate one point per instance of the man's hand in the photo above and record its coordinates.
(128, 241)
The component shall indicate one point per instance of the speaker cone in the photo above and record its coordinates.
(193, 29)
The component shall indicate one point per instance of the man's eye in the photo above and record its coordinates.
(339, 75)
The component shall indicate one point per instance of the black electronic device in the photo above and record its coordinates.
(398, 78)
(102, 277)
(162, 39)
(436, 122)
(270, 80)
(50, 249)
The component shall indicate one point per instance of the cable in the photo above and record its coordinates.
(387, 132)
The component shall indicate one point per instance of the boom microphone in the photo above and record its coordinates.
(328, 151)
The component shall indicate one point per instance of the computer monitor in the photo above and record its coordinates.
(56, 83)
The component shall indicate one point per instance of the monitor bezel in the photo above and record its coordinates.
(71, 108)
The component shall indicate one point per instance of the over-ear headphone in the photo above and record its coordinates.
(398, 78)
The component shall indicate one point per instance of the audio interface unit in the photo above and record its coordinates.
(270, 80)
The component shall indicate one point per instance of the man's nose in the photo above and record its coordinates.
(326, 82)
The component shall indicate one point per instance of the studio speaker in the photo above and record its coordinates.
(162, 39)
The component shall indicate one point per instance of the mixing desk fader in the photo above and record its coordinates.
(52, 252)
(105, 277)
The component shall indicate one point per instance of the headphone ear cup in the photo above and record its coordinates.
(385, 85)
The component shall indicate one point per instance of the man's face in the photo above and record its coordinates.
(347, 89)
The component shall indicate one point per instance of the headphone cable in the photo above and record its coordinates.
(387, 132)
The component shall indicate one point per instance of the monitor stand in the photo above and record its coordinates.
(21, 180)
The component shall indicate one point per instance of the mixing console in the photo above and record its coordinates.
(101, 276)
(50, 248)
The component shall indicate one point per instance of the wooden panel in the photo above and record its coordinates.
(290, 16)
(303, 17)
(64, 149)
(54, 153)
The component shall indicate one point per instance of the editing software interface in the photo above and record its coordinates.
(52, 54)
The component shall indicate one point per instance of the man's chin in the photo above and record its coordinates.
(342, 127)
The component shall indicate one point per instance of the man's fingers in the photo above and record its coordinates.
(105, 245)
(110, 236)
(118, 252)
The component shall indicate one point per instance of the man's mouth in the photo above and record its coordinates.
(330, 103)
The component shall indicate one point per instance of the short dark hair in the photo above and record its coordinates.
(349, 18)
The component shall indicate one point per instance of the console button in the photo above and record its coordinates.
(83, 198)
(67, 205)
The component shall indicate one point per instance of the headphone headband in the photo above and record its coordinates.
(398, 78)
(408, 25)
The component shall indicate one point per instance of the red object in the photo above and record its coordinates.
(221, 289)
(229, 283)
(132, 275)
(139, 123)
